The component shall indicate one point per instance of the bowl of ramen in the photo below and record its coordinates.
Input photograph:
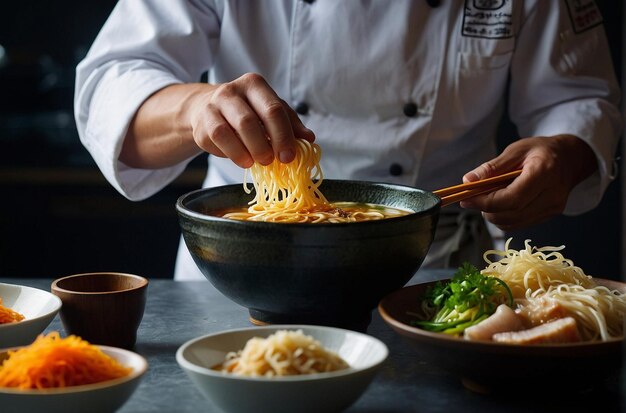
(282, 368)
(303, 250)
(531, 316)
(65, 375)
(24, 313)
(325, 273)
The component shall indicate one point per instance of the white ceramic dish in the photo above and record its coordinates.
(39, 308)
(103, 397)
(324, 392)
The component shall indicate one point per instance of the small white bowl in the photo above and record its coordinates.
(39, 308)
(323, 392)
(107, 396)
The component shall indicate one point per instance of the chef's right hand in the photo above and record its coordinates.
(246, 121)
(243, 120)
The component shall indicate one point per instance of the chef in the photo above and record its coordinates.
(408, 92)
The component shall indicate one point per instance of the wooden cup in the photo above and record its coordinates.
(103, 308)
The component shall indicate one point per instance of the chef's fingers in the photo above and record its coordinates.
(247, 125)
(215, 135)
(281, 123)
(509, 160)
(524, 188)
(531, 198)
(300, 131)
(272, 112)
(546, 205)
(513, 197)
(230, 100)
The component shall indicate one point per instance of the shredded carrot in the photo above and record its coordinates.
(9, 316)
(51, 361)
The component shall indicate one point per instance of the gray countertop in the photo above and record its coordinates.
(179, 311)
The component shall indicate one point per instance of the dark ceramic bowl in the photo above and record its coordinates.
(325, 274)
(498, 367)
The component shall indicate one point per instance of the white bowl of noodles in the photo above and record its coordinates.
(37, 307)
(201, 359)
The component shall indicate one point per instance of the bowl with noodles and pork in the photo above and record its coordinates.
(529, 316)
(282, 368)
(294, 248)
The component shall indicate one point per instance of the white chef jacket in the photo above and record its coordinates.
(402, 91)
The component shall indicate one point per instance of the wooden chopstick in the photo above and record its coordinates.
(460, 192)
(459, 196)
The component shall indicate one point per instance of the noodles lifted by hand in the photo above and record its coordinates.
(290, 193)
(284, 353)
(51, 361)
(9, 316)
(544, 273)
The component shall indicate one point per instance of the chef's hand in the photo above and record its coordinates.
(244, 120)
(552, 167)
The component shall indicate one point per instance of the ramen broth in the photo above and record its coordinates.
(326, 213)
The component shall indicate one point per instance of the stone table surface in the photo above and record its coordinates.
(179, 311)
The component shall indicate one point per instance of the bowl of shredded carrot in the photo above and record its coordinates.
(56, 374)
(24, 313)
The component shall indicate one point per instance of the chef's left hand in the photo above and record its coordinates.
(551, 167)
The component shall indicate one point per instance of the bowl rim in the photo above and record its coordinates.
(55, 283)
(185, 211)
(26, 321)
(424, 335)
(109, 350)
(374, 364)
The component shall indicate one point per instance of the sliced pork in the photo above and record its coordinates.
(541, 310)
(563, 330)
(504, 319)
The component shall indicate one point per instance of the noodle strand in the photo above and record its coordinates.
(289, 193)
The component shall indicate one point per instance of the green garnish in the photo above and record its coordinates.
(467, 299)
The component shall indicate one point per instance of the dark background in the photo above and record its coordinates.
(58, 216)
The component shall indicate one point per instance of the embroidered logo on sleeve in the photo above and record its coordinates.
(584, 14)
(488, 19)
